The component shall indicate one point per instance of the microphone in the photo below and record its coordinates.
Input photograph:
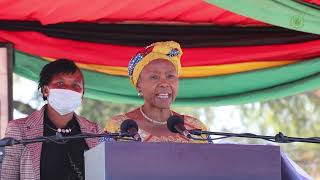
(130, 127)
(176, 125)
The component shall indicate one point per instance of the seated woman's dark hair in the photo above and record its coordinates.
(51, 69)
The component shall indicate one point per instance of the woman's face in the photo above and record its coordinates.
(158, 82)
(70, 81)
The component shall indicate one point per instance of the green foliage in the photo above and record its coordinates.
(101, 112)
(295, 116)
(23, 107)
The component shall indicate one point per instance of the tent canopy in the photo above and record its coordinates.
(232, 54)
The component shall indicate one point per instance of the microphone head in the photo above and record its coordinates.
(128, 124)
(173, 121)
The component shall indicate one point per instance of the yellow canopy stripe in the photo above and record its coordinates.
(192, 71)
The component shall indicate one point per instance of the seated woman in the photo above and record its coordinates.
(154, 72)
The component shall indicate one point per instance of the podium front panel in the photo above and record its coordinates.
(159, 161)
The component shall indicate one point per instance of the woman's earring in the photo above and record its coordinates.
(140, 94)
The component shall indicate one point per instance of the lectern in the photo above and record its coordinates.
(177, 161)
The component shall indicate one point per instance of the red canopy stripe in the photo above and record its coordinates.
(152, 11)
(193, 71)
(113, 55)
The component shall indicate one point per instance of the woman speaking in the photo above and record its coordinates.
(154, 72)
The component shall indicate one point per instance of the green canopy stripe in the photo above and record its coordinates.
(230, 89)
(284, 13)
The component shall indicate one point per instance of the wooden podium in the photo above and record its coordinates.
(165, 161)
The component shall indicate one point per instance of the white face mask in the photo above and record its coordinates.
(64, 101)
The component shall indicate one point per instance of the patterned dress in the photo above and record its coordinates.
(189, 122)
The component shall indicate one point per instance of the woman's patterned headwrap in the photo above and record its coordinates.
(168, 50)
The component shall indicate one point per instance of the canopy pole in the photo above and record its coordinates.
(6, 95)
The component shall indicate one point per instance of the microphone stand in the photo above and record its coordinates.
(59, 139)
(279, 138)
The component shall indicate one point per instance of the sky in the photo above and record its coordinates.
(24, 90)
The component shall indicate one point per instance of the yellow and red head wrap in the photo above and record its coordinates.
(169, 50)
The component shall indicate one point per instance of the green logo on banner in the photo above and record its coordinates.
(297, 21)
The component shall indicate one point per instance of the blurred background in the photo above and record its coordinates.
(297, 116)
